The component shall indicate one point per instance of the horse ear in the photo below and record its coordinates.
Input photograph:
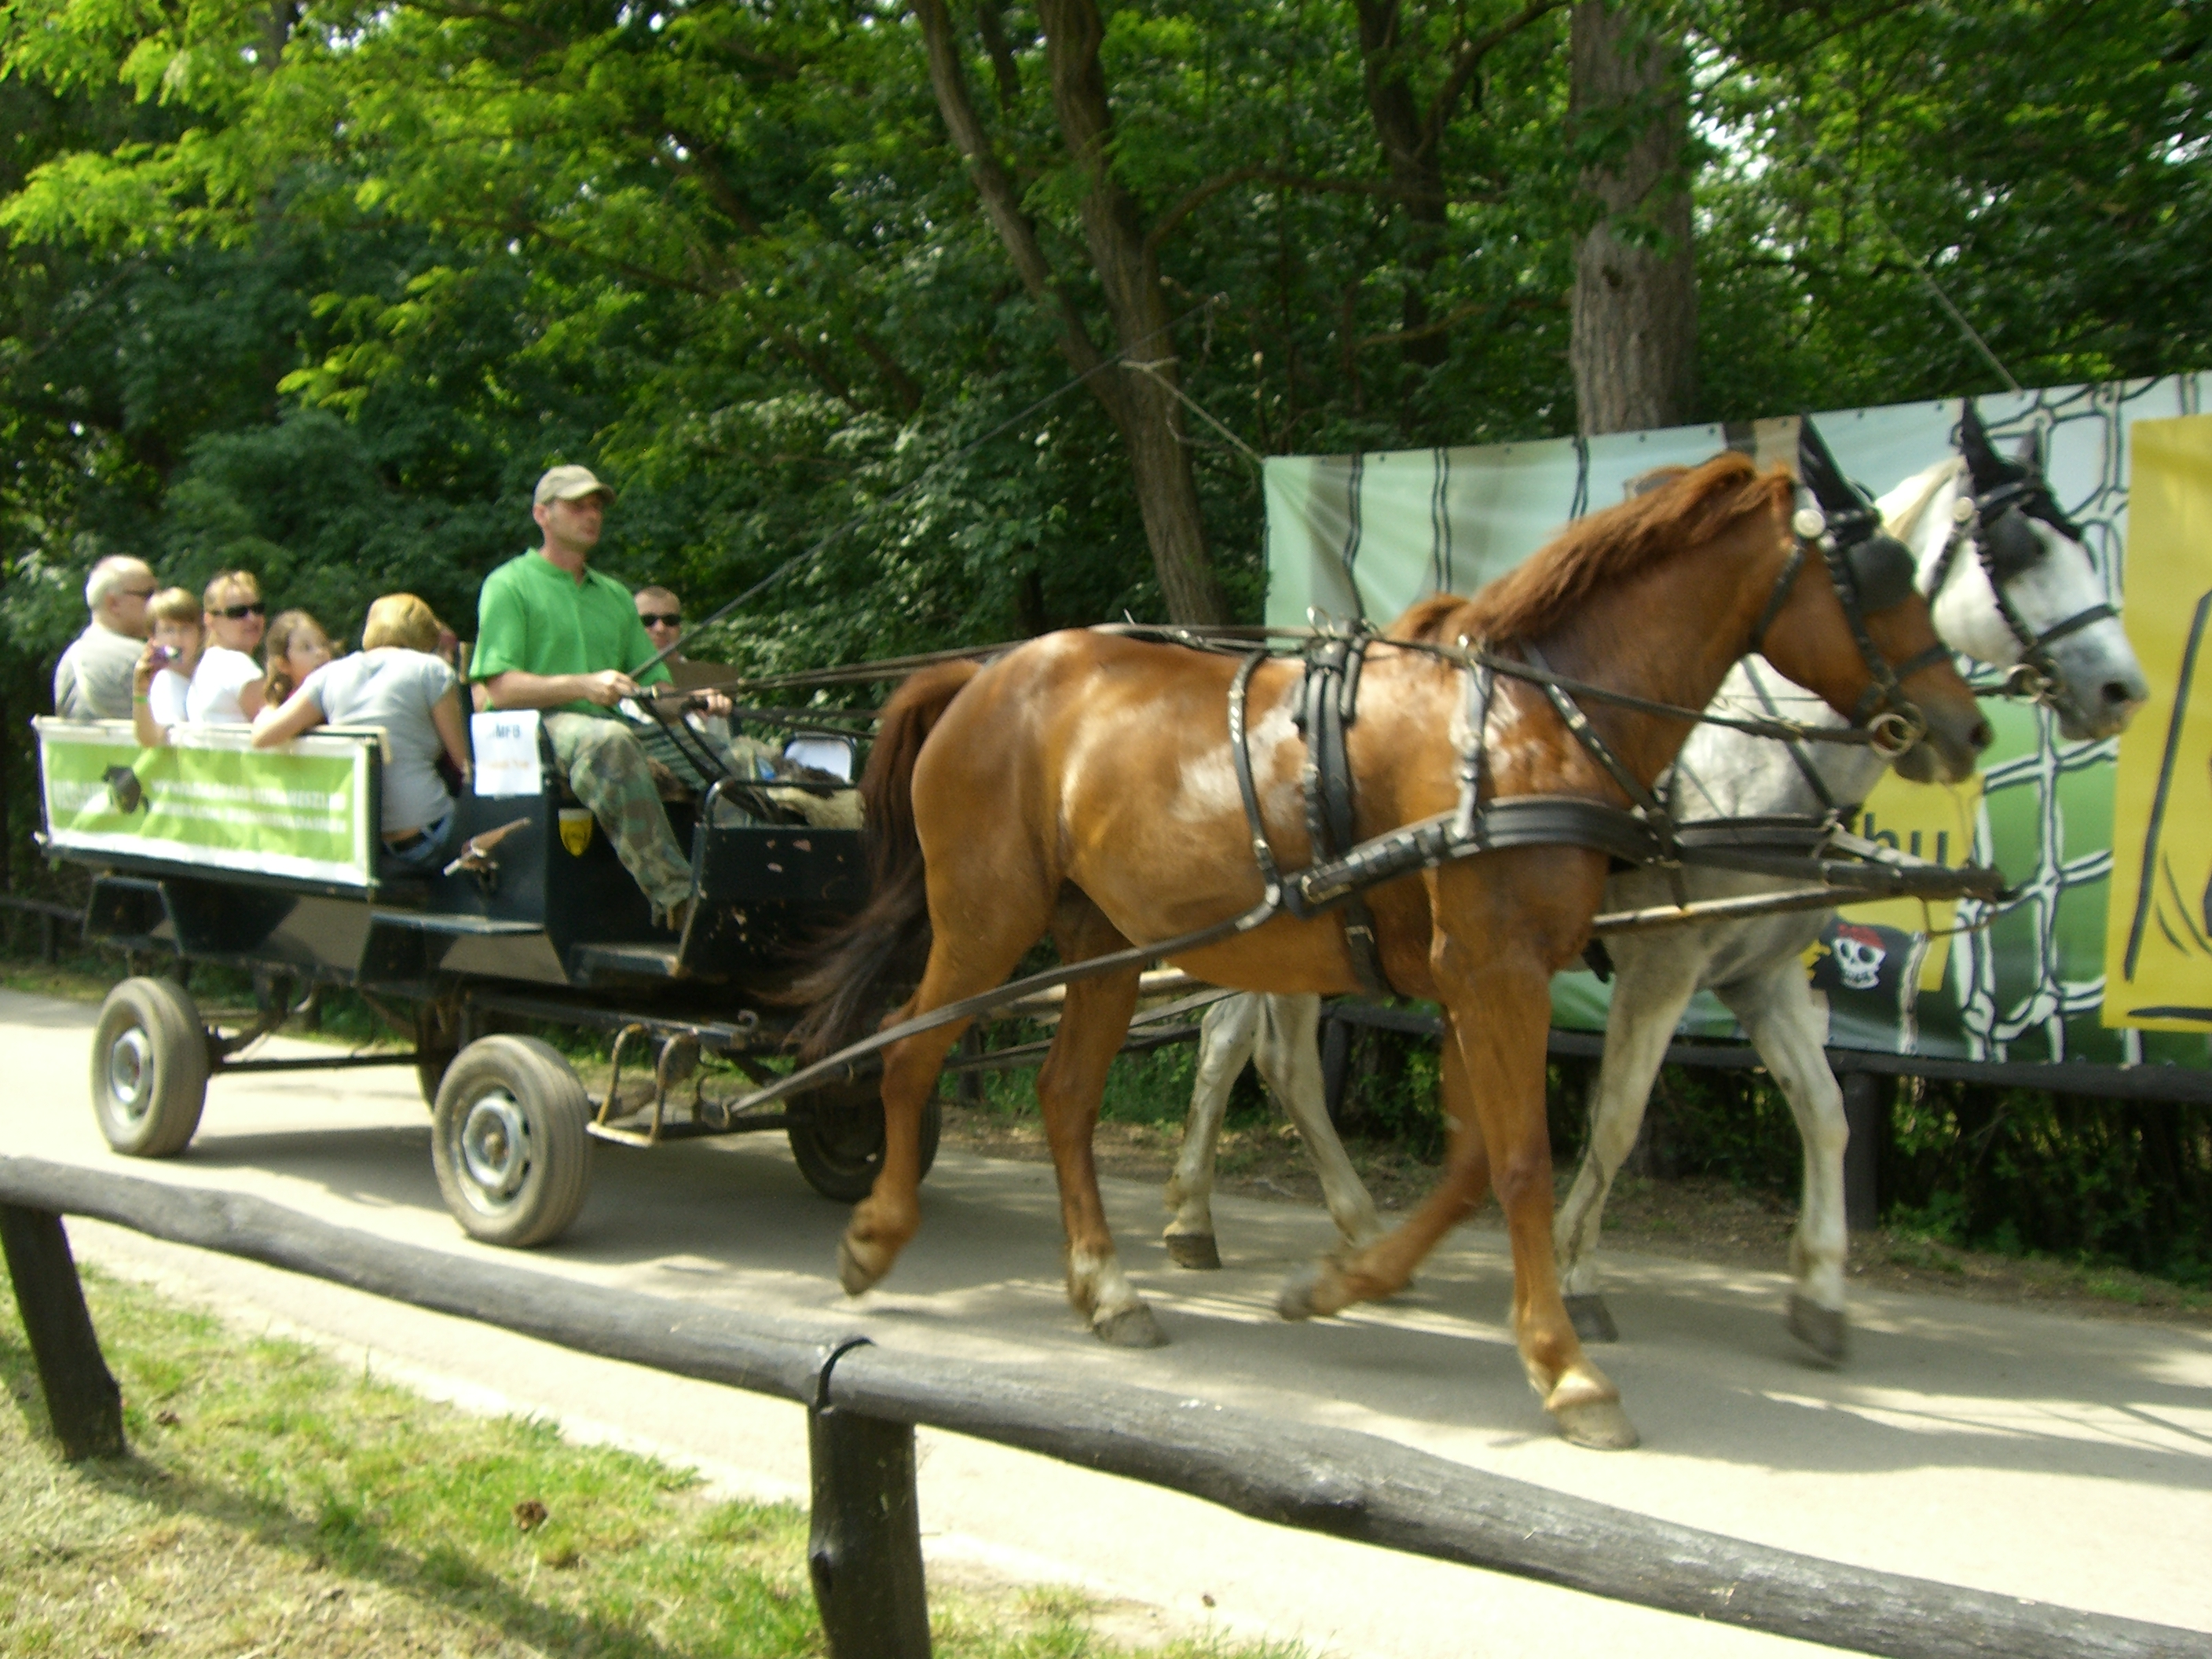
(1818, 472)
(2030, 453)
(1988, 468)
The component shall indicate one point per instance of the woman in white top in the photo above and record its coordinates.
(161, 683)
(226, 685)
(395, 683)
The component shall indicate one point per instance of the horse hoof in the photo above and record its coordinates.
(1312, 1291)
(1598, 1424)
(1821, 1329)
(1593, 1320)
(1132, 1327)
(1192, 1250)
(853, 1274)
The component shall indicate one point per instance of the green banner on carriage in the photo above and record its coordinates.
(303, 811)
(1364, 536)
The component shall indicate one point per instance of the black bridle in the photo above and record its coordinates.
(1994, 522)
(1870, 570)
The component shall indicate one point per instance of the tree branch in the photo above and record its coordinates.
(1200, 194)
(1001, 201)
(1467, 60)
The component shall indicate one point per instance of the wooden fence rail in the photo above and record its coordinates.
(865, 1401)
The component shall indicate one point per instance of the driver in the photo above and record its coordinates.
(555, 635)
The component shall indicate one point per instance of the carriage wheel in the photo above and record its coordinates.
(837, 1137)
(150, 1068)
(508, 1142)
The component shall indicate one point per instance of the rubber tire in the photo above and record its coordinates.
(549, 1102)
(173, 1079)
(841, 1159)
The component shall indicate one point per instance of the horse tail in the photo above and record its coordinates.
(849, 970)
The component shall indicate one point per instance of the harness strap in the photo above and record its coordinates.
(1577, 723)
(1240, 755)
(1806, 770)
(1327, 707)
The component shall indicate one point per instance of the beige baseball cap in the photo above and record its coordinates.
(568, 483)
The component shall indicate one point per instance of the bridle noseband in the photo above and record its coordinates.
(1994, 522)
(1870, 571)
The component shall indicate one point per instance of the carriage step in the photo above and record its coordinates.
(642, 960)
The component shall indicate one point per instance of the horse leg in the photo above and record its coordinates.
(1289, 1060)
(1496, 1018)
(1652, 985)
(1779, 1016)
(1225, 1037)
(884, 1221)
(1092, 1023)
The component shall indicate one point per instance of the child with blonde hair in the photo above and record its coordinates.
(161, 683)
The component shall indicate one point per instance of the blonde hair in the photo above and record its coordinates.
(244, 583)
(402, 619)
(177, 605)
(277, 685)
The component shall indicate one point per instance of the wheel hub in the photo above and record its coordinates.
(495, 1145)
(130, 1072)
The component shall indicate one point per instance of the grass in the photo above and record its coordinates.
(274, 1503)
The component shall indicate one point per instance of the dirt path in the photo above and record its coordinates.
(1698, 1220)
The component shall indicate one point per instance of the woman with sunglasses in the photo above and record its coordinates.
(227, 686)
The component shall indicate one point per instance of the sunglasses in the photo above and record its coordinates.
(661, 618)
(240, 612)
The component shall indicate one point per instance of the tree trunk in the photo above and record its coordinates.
(1140, 393)
(1634, 345)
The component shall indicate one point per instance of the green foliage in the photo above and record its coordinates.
(2099, 1182)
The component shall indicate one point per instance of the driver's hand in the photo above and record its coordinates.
(713, 704)
(609, 687)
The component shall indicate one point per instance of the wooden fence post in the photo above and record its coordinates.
(82, 1400)
(863, 1543)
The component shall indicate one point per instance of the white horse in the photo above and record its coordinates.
(2027, 562)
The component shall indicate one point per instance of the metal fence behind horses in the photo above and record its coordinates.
(50, 915)
(863, 1404)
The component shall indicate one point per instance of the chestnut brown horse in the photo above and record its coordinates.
(1082, 785)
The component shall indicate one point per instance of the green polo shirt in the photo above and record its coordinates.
(535, 616)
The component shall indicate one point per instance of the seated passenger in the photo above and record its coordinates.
(91, 681)
(297, 647)
(226, 685)
(553, 635)
(395, 683)
(161, 686)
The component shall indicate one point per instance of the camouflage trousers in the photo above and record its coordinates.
(605, 761)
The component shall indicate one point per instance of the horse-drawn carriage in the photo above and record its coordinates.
(266, 861)
(1509, 754)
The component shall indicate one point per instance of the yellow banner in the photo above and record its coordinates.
(2158, 939)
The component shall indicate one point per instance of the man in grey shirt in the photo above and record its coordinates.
(92, 682)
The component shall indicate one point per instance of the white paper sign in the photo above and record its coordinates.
(506, 744)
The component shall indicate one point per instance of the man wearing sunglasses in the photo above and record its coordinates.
(226, 685)
(92, 682)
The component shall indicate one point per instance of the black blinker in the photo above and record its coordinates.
(2012, 544)
(1882, 568)
(1818, 472)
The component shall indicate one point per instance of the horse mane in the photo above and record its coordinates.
(1688, 504)
(1901, 508)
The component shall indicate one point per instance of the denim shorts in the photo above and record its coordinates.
(425, 852)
